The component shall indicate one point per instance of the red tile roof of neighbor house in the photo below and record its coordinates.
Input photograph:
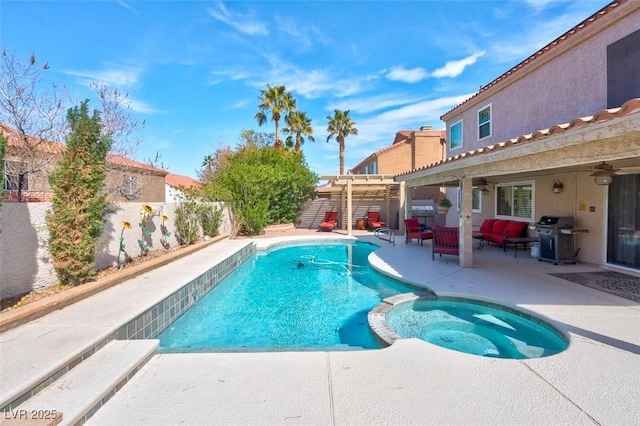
(632, 106)
(115, 161)
(558, 41)
(180, 180)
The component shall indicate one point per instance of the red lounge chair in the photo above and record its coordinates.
(413, 230)
(445, 241)
(329, 222)
(374, 222)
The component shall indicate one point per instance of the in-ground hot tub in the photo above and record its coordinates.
(466, 325)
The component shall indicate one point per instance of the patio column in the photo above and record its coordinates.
(402, 205)
(465, 220)
(349, 207)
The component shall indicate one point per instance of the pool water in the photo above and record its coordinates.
(476, 328)
(293, 298)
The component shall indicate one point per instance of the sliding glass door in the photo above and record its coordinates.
(623, 224)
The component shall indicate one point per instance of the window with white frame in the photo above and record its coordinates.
(374, 168)
(476, 200)
(15, 176)
(484, 122)
(515, 201)
(455, 135)
(130, 189)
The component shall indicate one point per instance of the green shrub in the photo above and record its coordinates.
(187, 228)
(210, 219)
(262, 186)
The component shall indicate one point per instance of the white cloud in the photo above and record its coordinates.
(524, 44)
(120, 78)
(300, 40)
(126, 5)
(413, 75)
(240, 104)
(310, 84)
(425, 110)
(455, 68)
(373, 103)
(142, 107)
(538, 4)
(244, 23)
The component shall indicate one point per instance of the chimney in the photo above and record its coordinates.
(423, 128)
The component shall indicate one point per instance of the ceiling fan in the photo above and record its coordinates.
(604, 173)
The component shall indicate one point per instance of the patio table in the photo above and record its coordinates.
(518, 240)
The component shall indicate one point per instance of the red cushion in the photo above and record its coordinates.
(487, 225)
(498, 226)
(515, 229)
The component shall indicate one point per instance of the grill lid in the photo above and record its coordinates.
(556, 221)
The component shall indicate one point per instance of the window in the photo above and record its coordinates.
(374, 168)
(129, 188)
(484, 122)
(515, 200)
(623, 78)
(476, 199)
(366, 170)
(455, 135)
(15, 177)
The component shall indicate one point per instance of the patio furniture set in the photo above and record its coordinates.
(445, 239)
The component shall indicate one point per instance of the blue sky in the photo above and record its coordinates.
(194, 69)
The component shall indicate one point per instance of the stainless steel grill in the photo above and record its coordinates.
(555, 238)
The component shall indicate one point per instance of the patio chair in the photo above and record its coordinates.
(446, 240)
(374, 222)
(330, 221)
(413, 229)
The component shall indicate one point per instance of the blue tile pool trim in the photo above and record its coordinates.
(153, 321)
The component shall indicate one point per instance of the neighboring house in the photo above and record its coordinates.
(175, 183)
(372, 188)
(410, 149)
(27, 169)
(541, 140)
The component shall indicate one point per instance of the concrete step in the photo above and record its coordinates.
(79, 393)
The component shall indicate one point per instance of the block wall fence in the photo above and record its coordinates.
(25, 263)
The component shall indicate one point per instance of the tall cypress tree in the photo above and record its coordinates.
(77, 215)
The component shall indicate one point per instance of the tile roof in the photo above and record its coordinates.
(558, 41)
(180, 180)
(632, 106)
(115, 161)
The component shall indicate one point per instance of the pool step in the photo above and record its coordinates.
(79, 393)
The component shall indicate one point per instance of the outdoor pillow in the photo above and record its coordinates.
(498, 226)
(487, 225)
(515, 229)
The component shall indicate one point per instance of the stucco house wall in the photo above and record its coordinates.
(567, 81)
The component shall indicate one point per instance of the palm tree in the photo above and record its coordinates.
(299, 125)
(275, 100)
(341, 126)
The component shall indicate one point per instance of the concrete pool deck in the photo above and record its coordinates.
(595, 381)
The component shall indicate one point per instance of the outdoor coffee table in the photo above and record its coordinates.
(519, 240)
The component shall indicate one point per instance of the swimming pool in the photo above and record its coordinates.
(467, 325)
(304, 297)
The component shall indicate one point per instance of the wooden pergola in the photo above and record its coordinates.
(362, 187)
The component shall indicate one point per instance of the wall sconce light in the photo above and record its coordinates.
(557, 186)
(603, 174)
